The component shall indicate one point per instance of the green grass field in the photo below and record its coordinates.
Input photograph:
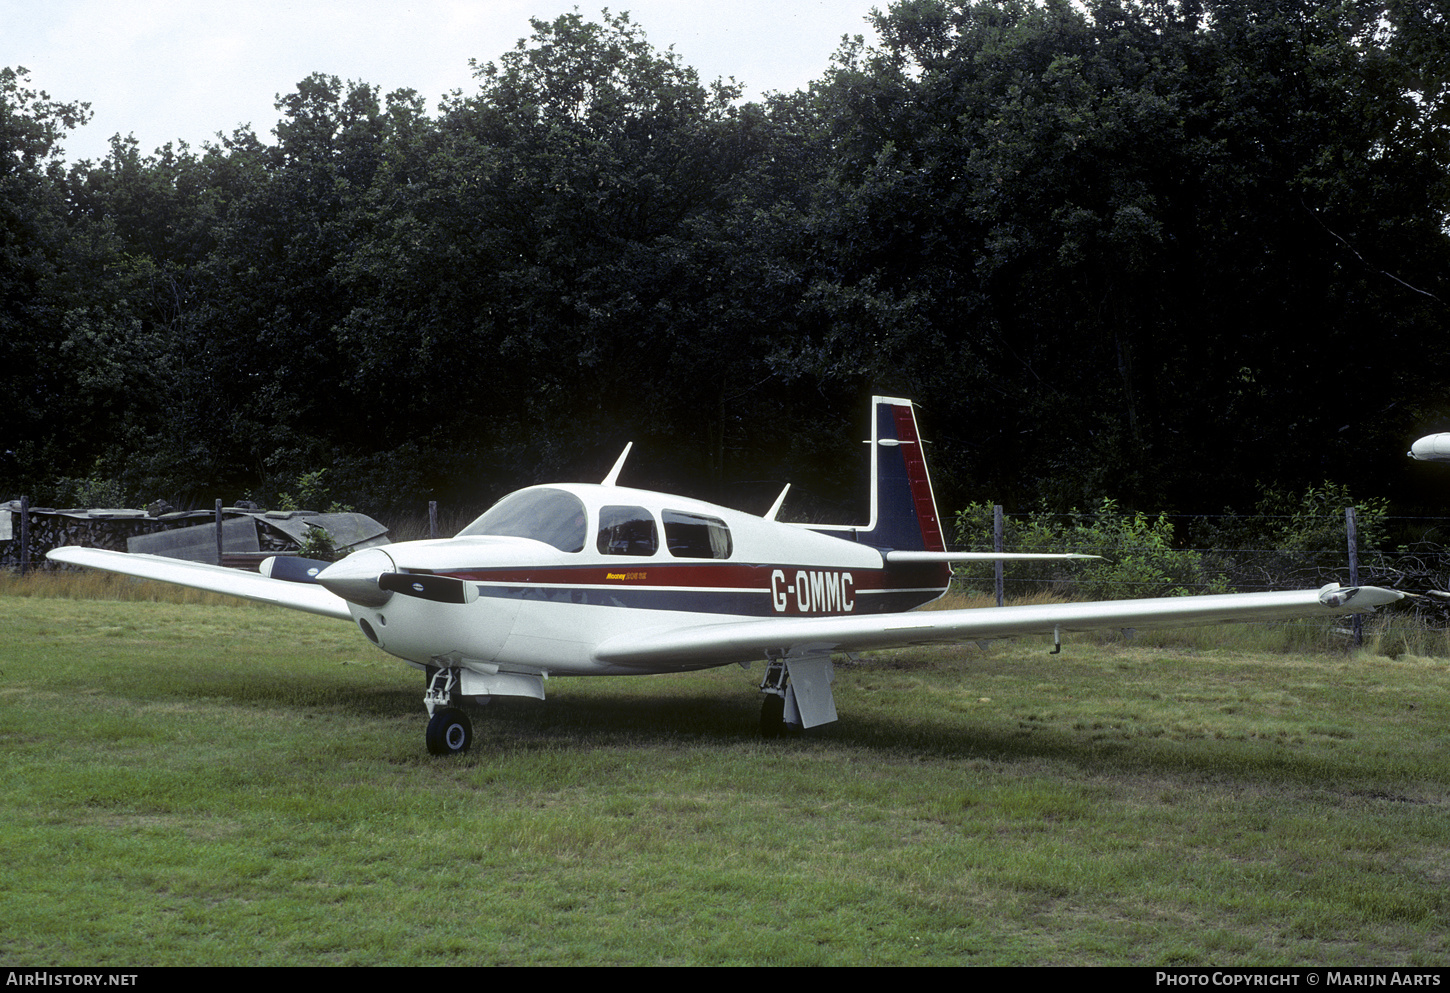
(203, 783)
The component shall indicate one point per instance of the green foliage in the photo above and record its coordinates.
(312, 493)
(32, 125)
(1139, 559)
(1314, 521)
(1311, 520)
(1293, 540)
(1122, 225)
(1114, 248)
(319, 544)
(87, 492)
(1300, 538)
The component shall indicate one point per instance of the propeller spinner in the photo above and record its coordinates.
(356, 578)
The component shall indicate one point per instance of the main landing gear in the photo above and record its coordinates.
(775, 685)
(449, 729)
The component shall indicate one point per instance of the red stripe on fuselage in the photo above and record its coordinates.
(792, 589)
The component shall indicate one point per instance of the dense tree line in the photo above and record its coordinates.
(1156, 251)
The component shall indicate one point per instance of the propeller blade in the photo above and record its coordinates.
(292, 568)
(440, 589)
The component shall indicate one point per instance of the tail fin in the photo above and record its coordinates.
(903, 507)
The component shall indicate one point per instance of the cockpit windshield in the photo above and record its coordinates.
(555, 517)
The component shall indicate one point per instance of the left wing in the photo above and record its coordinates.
(746, 640)
(248, 585)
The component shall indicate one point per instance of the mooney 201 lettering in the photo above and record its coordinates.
(604, 580)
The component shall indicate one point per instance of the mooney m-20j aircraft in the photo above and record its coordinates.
(603, 580)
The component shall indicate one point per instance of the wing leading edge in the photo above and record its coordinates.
(215, 578)
(740, 641)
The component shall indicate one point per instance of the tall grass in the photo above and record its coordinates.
(415, 527)
(91, 584)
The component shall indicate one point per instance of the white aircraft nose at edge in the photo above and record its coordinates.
(577, 579)
(1431, 448)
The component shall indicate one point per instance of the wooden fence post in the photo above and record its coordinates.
(218, 532)
(24, 533)
(1352, 537)
(997, 547)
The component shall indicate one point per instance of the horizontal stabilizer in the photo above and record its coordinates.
(901, 557)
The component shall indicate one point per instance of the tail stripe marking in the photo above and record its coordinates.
(921, 494)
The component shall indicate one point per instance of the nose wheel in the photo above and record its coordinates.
(449, 729)
(449, 732)
(772, 717)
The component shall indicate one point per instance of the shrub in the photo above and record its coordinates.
(1139, 559)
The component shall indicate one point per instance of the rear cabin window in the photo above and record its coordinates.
(627, 531)
(555, 517)
(695, 536)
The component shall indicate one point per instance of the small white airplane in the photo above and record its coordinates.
(602, 580)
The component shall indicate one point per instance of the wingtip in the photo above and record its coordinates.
(1360, 597)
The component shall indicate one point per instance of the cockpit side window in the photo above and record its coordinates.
(695, 536)
(555, 517)
(627, 531)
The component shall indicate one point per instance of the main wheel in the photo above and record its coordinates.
(449, 732)
(772, 716)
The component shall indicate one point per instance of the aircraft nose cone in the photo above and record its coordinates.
(355, 578)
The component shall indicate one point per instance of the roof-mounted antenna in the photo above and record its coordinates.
(613, 476)
(775, 507)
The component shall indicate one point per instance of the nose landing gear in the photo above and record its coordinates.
(449, 729)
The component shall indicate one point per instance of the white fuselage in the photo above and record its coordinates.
(621, 561)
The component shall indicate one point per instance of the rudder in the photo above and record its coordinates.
(903, 507)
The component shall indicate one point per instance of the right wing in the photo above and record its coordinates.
(198, 575)
(749, 639)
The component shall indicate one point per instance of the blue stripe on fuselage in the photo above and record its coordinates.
(746, 603)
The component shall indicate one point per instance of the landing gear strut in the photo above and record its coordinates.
(449, 729)
(775, 685)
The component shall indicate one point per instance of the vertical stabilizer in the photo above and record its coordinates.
(903, 507)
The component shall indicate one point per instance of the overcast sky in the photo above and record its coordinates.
(186, 69)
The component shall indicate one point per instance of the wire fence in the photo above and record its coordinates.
(1182, 554)
(1141, 555)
